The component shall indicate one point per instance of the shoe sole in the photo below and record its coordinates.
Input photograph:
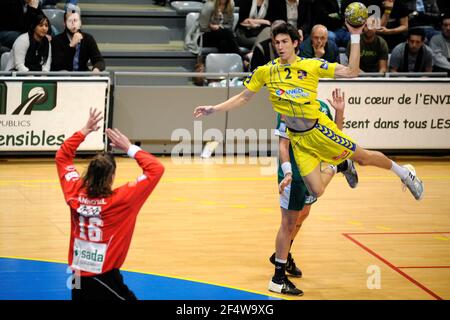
(286, 293)
(294, 275)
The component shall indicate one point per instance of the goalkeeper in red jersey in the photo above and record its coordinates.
(102, 218)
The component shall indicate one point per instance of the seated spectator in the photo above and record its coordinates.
(394, 22)
(16, 17)
(425, 15)
(32, 50)
(440, 44)
(327, 13)
(317, 45)
(264, 50)
(394, 19)
(254, 16)
(374, 49)
(73, 49)
(413, 55)
(216, 22)
(294, 12)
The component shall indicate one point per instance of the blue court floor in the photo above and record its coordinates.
(23, 279)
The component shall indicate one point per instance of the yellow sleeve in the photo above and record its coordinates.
(256, 80)
(324, 68)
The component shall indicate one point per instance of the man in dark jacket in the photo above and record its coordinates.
(317, 45)
(72, 49)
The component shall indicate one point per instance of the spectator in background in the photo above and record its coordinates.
(264, 50)
(327, 13)
(413, 55)
(216, 22)
(16, 17)
(394, 22)
(394, 19)
(32, 50)
(73, 49)
(374, 49)
(254, 16)
(425, 15)
(440, 44)
(317, 45)
(294, 12)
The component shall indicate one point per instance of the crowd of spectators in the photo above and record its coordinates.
(400, 36)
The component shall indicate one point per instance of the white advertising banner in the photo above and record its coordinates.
(395, 113)
(39, 113)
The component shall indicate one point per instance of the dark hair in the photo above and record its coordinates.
(286, 28)
(37, 20)
(416, 32)
(444, 16)
(98, 179)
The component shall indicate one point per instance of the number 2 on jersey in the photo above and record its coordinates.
(288, 76)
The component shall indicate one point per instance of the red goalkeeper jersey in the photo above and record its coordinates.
(101, 228)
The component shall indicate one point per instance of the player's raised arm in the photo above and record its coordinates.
(232, 103)
(352, 70)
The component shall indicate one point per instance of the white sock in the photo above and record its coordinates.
(401, 172)
(280, 261)
(333, 167)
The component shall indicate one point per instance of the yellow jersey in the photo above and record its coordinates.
(292, 87)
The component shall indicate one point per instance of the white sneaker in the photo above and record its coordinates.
(413, 183)
(285, 287)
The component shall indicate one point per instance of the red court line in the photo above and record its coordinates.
(425, 267)
(414, 281)
(390, 233)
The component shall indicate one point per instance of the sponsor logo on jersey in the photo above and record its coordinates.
(342, 155)
(302, 74)
(89, 211)
(297, 93)
(73, 175)
(88, 255)
(279, 92)
(324, 65)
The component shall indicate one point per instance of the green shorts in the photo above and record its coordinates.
(295, 196)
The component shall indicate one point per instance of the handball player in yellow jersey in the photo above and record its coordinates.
(292, 83)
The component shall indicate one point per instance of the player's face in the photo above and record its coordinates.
(285, 46)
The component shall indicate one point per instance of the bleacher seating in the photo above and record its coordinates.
(4, 60)
(186, 6)
(56, 17)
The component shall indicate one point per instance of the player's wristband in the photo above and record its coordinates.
(287, 168)
(354, 38)
(132, 150)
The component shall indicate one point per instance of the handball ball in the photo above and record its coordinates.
(356, 14)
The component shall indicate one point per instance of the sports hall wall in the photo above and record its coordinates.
(381, 113)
